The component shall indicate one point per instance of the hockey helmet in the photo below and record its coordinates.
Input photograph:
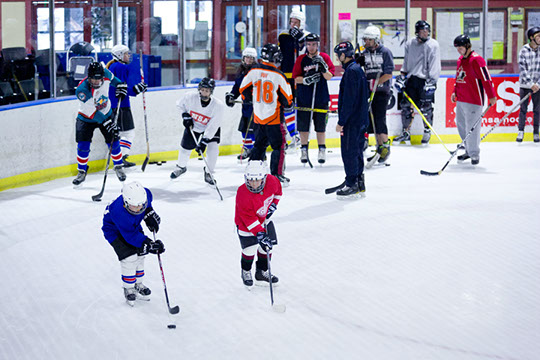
(372, 32)
(96, 71)
(271, 53)
(134, 195)
(206, 83)
(118, 52)
(312, 37)
(344, 47)
(249, 51)
(255, 170)
(462, 40)
(422, 25)
(298, 15)
(532, 31)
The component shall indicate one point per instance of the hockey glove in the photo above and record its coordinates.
(229, 99)
(152, 220)
(360, 59)
(111, 127)
(139, 88)
(201, 146)
(265, 242)
(296, 33)
(187, 120)
(312, 79)
(152, 247)
(429, 89)
(319, 61)
(271, 209)
(400, 83)
(288, 109)
(121, 91)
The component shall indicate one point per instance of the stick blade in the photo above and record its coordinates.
(429, 173)
(97, 197)
(279, 308)
(174, 310)
(143, 167)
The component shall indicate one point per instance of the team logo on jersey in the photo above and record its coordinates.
(200, 118)
(261, 212)
(460, 77)
(101, 103)
(82, 96)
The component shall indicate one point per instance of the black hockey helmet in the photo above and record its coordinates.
(421, 25)
(312, 37)
(462, 40)
(532, 31)
(271, 53)
(206, 83)
(96, 71)
(344, 47)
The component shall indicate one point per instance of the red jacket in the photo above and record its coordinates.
(473, 80)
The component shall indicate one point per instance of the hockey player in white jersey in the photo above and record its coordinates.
(201, 112)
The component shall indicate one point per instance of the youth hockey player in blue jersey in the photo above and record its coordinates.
(95, 112)
(129, 72)
(122, 229)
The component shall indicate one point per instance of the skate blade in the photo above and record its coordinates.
(77, 187)
(130, 303)
(143, 298)
(263, 283)
(351, 197)
(279, 308)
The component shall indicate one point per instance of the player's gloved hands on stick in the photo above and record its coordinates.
(360, 59)
(271, 209)
(187, 120)
(121, 90)
(229, 99)
(140, 88)
(152, 247)
(400, 83)
(311, 79)
(429, 89)
(318, 60)
(296, 33)
(201, 146)
(152, 220)
(288, 109)
(265, 242)
(111, 127)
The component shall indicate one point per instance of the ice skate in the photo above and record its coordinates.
(143, 293)
(322, 155)
(426, 136)
(283, 180)
(405, 137)
(362, 186)
(263, 278)
(304, 155)
(244, 155)
(119, 170)
(475, 160)
(208, 178)
(463, 157)
(536, 138)
(246, 277)
(384, 151)
(179, 170)
(127, 164)
(295, 142)
(520, 136)
(348, 192)
(130, 294)
(81, 176)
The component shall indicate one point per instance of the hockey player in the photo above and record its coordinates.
(249, 60)
(130, 73)
(472, 79)
(353, 120)
(271, 97)
(529, 81)
(122, 229)
(419, 74)
(256, 201)
(291, 42)
(95, 112)
(311, 72)
(201, 112)
(379, 61)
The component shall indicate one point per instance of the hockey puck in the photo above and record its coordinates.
(159, 163)
(171, 326)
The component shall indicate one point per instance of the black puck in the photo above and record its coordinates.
(171, 326)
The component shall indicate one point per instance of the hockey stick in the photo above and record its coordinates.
(505, 116)
(460, 146)
(206, 162)
(172, 310)
(97, 197)
(311, 116)
(147, 159)
(377, 156)
(334, 189)
(316, 110)
(425, 120)
(245, 137)
(277, 308)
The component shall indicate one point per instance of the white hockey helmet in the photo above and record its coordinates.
(249, 51)
(256, 170)
(299, 16)
(372, 32)
(118, 52)
(134, 194)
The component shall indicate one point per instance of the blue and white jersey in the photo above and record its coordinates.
(128, 73)
(117, 221)
(94, 104)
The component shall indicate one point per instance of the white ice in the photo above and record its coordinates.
(440, 268)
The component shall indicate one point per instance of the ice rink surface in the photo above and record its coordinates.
(442, 268)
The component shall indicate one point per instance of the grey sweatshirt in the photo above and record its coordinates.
(423, 60)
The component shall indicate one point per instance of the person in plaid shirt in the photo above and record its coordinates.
(529, 81)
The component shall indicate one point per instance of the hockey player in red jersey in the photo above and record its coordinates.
(256, 201)
(472, 81)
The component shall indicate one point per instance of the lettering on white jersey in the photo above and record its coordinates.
(200, 118)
